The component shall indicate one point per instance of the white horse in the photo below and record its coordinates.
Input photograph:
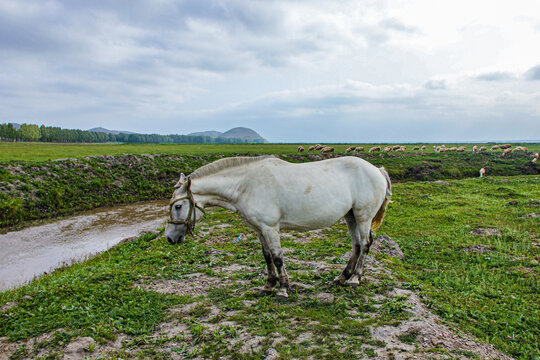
(271, 194)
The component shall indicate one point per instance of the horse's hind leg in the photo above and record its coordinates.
(272, 276)
(355, 240)
(367, 240)
(271, 236)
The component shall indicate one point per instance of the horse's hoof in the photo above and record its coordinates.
(339, 281)
(354, 282)
(265, 291)
(282, 294)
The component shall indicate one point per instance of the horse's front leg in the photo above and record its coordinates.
(272, 276)
(271, 236)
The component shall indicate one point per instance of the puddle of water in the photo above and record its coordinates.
(35, 250)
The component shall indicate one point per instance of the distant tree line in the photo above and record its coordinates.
(32, 132)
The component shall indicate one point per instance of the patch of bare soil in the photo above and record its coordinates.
(305, 238)
(79, 348)
(203, 231)
(195, 285)
(8, 349)
(441, 182)
(486, 231)
(477, 248)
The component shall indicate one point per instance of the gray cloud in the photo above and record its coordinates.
(379, 114)
(356, 112)
(435, 84)
(495, 76)
(533, 73)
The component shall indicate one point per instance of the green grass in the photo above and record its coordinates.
(491, 294)
(35, 151)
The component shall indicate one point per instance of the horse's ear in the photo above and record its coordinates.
(181, 181)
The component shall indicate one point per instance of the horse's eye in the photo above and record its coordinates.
(178, 206)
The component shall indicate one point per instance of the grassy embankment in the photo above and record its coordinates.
(485, 284)
(48, 189)
(39, 188)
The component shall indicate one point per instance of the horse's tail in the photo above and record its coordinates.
(378, 219)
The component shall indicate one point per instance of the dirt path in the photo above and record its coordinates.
(398, 325)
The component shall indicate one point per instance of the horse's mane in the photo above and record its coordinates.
(226, 163)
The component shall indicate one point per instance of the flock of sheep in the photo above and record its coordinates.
(507, 148)
(318, 147)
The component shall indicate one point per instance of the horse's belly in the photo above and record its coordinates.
(311, 220)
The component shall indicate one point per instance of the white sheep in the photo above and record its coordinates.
(375, 148)
(474, 148)
(327, 149)
(482, 172)
(423, 147)
(519, 148)
(301, 149)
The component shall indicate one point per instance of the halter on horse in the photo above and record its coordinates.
(189, 222)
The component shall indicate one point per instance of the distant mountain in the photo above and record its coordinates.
(107, 131)
(234, 133)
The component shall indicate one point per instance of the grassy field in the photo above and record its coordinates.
(28, 151)
(148, 299)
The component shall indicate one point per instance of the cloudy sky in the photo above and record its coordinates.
(293, 70)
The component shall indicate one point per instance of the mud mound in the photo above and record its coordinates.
(384, 244)
(424, 331)
(424, 171)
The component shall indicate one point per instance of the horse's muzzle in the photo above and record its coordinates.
(178, 240)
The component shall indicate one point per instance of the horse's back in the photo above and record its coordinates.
(347, 170)
(314, 194)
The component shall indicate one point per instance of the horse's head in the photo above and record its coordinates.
(183, 212)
